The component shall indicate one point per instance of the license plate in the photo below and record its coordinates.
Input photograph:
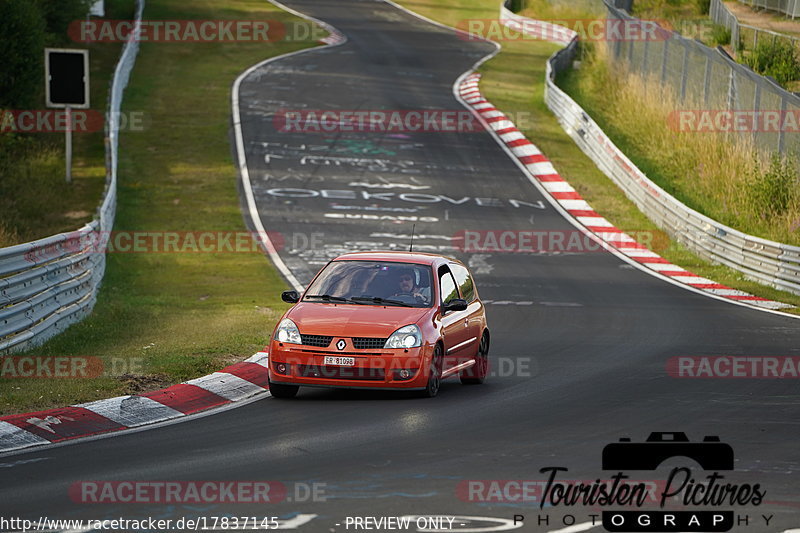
(339, 361)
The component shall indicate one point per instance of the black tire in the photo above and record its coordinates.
(435, 374)
(279, 390)
(476, 374)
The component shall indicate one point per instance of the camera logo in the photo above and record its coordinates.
(710, 453)
(685, 501)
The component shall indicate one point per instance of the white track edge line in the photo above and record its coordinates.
(244, 172)
(564, 213)
(570, 218)
(259, 227)
(559, 209)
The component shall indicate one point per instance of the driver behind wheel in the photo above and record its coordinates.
(407, 287)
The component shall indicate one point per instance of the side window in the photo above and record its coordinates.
(464, 282)
(447, 285)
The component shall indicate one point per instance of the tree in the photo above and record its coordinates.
(58, 14)
(22, 41)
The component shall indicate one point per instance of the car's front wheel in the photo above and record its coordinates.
(279, 390)
(435, 373)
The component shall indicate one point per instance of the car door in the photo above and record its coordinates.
(474, 313)
(455, 330)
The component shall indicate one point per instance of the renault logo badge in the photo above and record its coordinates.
(341, 344)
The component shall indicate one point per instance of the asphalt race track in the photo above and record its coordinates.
(580, 341)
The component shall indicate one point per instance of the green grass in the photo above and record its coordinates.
(727, 179)
(777, 59)
(177, 315)
(514, 82)
(688, 17)
(669, 10)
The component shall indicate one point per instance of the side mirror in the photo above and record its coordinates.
(290, 297)
(456, 304)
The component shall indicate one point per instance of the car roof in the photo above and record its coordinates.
(400, 257)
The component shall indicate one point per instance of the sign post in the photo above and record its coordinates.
(67, 87)
(68, 143)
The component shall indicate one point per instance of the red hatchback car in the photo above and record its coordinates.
(381, 320)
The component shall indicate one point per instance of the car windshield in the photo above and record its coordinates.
(373, 282)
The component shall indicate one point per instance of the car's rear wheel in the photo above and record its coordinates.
(280, 390)
(476, 374)
(435, 373)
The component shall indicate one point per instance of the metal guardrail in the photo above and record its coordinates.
(49, 284)
(768, 262)
(723, 16)
(706, 79)
(790, 8)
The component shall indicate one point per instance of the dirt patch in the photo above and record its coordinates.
(74, 215)
(764, 19)
(228, 359)
(138, 384)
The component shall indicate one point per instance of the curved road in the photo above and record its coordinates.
(580, 341)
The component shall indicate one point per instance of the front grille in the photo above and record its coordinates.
(320, 341)
(368, 343)
(341, 372)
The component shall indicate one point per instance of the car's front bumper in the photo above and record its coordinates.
(295, 364)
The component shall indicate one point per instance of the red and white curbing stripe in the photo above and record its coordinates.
(232, 384)
(335, 37)
(563, 193)
(235, 383)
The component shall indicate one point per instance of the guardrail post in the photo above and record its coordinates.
(781, 131)
(644, 55)
(707, 81)
(684, 72)
(756, 111)
(630, 52)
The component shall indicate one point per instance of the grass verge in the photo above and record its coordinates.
(724, 177)
(514, 82)
(166, 317)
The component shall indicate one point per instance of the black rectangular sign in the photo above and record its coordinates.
(67, 78)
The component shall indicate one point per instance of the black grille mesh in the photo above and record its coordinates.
(320, 341)
(368, 343)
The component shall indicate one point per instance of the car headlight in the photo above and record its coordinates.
(287, 332)
(405, 337)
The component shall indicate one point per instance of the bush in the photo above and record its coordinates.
(516, 5)
(774, 189)
(776, 59)
(703, 6)
(22, 40)
(720, 35)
